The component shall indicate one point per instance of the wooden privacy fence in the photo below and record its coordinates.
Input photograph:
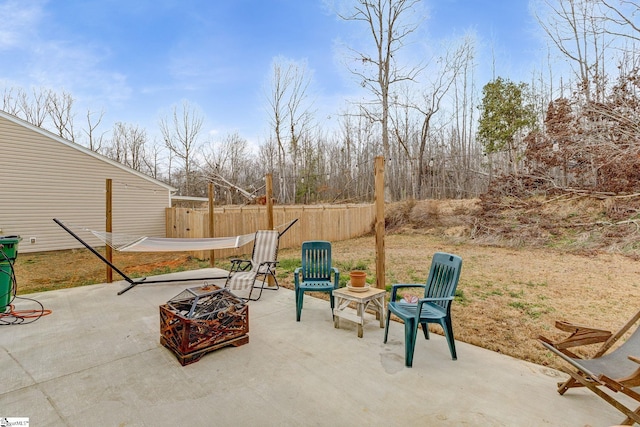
(315, 222)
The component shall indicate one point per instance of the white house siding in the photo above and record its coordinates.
(44, 177)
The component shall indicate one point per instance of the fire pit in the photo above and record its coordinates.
(202, 319)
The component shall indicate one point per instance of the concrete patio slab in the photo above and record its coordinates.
(97, 361)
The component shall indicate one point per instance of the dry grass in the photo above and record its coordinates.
(508, 295)
(43, 271)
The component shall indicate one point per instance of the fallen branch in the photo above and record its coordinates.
(220, 181)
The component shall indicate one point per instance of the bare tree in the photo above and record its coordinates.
(622, 18)
(32, 108)
(390, 26)
(44, 107)
(137, 140)
(588, 140)
(180, 132)
(592, 146)
(35, 109)
(94, 142)
(279, 86)
(577, 28)
(10, 101)
(152, 161)
(227, 164)
(128, 146)
(359, 145)
(290, 115)
(60, 112)
(472, 167)
(450, 66)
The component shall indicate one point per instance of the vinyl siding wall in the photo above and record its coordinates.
(42, 178)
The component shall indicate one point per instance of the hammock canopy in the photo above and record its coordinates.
(126, 243)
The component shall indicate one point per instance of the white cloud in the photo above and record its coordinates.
(19, 22)
(65, 62)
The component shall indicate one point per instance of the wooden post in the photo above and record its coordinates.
(109, 227)
(379, 201)
(212, 257)
(269, 195)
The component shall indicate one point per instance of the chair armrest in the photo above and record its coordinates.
(296, 277)
(423, 301)
(268, 264)
(395, 287)
(336, 277)
(580, 335)
(429, 299)
(239, 264)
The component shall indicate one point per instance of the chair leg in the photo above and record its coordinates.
(569, 383)
(299, 300)
(425, 330)
(254, 287)
(251, 293)
(331, 302)
(386, 326)
(275, 280)
(265, 282)
(448, 332)
(410, 334)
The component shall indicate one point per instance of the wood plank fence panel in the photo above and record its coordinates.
(315, 222)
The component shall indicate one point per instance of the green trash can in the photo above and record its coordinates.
(8, 254)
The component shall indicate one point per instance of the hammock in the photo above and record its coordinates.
(127, 243)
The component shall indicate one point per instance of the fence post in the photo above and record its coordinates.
(269, 194)
(270, 225)
(212, 257)
(379, 188)
(109, 225)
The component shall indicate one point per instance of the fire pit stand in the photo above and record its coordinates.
(202, 319)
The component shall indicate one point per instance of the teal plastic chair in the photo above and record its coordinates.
(434, 307)
(315, 273)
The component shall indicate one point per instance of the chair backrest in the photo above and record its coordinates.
(443, 277)
(316, 260)
(265, 247)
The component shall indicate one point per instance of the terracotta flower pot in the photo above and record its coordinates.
(358, 278)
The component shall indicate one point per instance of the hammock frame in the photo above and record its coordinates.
(135, 282)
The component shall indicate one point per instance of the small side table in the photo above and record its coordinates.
(371, 298)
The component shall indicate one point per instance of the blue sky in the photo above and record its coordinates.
(136, 59)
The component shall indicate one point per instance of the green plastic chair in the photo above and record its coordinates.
(315, 273)
(434, 307)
